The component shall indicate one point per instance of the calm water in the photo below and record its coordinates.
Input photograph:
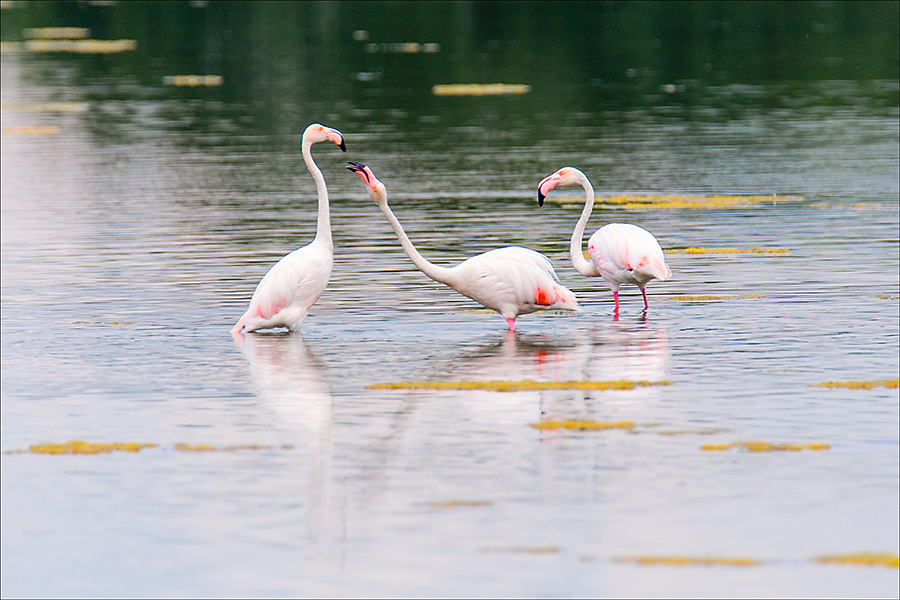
(138, 217)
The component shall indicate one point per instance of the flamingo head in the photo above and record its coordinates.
(376, 189)
(565, 176)
(316, 133)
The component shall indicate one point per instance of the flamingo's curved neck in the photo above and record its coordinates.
(439, 274)
(578, 261)
(323, 224)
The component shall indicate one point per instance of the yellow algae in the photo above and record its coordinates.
(56, 33)
(887, 297)
(701, 250)
(583, 425)
(514, 386)
(61, 107)
(868, 559)
(527, 549)
(710, 298)
(83, 447)
(682, 561)
(677, 201)
(891, 384)
(32, 130)
(80, 46)
(480, 89)
(710, 431)
(193, 80)
(757, 446)
(459, 503)
(195, 448)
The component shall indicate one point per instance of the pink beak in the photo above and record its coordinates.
(544, 187)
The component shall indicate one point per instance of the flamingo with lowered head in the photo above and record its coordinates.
(294, 283)
(620, 253)
(512, 280)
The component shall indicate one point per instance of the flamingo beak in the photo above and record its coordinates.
(361, 170)
(337, 137)
(544, 187)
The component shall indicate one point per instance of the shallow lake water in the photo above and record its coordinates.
(137, 218)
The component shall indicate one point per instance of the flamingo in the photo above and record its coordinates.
(294, 283)
(512, 280)
(620, 253)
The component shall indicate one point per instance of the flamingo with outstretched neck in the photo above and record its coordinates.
(620, 253)
(512, 280)
(293, 284)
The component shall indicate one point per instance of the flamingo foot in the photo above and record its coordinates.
(512, 323)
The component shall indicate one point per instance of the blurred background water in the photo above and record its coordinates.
(138, 216)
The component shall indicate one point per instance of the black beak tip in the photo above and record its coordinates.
(342, 146)
(541, 199)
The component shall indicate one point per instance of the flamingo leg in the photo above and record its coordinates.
(512, 323)
(644, 292)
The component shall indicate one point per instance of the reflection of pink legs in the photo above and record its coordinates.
(512, 323)
(644, 292)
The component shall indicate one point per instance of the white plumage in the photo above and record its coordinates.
(512, 280)
(293, 284)
(620, 253)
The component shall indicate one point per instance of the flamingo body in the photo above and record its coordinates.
(287, 291)
(624, 253)
(620, 253)
(512, 280)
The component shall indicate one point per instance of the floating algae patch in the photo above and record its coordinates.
(85, 46)
(757, 446)
(53, 107)
(82, 447)
(887, 297)
(193, 80)
(676, 201)
(708, 431)
(459, 503)
(709, 298)
(891, 384)
(514, 386)
(32, 130)
(702, 250)
(56, 33)
(526, 549)
(687, 561)
(480, 89)
(866, 559)
(583, 425)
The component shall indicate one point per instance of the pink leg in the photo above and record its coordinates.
(644, 292)
(616, 298)
(512, 323)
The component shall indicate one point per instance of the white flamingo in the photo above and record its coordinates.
(513, 280)
(295, 282)
(620, 253)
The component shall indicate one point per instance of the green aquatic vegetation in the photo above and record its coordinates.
(757, 446)
(514, 386)
(891, 384)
